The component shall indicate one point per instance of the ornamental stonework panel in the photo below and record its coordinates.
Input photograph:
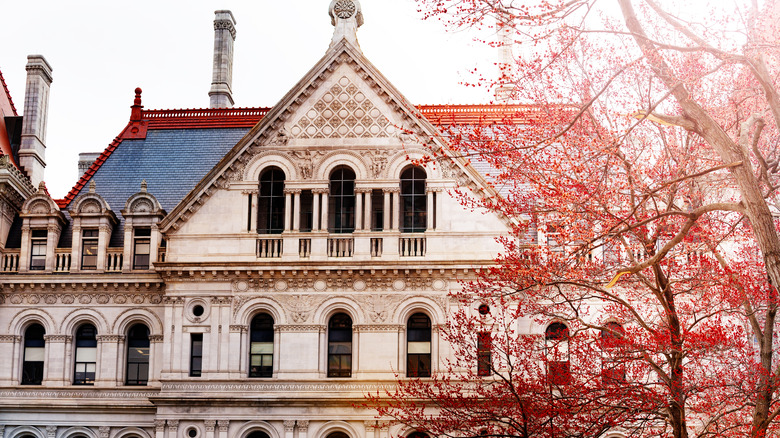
(343, 112)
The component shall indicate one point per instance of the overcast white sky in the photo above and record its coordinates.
(101, 50)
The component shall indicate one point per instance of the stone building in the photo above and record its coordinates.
(230, 272)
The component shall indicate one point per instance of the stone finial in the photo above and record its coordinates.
(143, 185)
(42, 187)
(346, 16)
(92, 186)
(221, 93)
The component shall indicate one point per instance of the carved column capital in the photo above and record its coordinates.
(173, 426)
(51, 431)
(223, 425)
(103, 430)
(369, 424)
(289, 425)
(210, 424)
(303, 425)
(159, 425)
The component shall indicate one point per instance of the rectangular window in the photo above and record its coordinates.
(377, 210)
(196, 354)
(38, 250)
(141, 247)
(32, 368)
(307, 213)
(89, 249)
(484, 349)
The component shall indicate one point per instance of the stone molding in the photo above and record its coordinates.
(10, 338)
(58, 338)
(300, 328)
(292, 387)
(75, 394)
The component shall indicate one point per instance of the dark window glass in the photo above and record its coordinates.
(341, 204)
(86, 355)
(556, 338)
(270, 202)
(261, 346)
(484, 350)
(258, 434)
(418, 346)
(337, 435)
(38, 250)
(307, 203)
(142, 243)
(196, 354)
(137, 355)
(89, 249)
(418, 435)
(377, 210)
(613, 372)
(414, 205)
(34, 355)
(340, 346)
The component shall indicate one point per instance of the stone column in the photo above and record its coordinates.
(52, 238)
(370, 428)
(104, 431)
(54, 371)
(287, 208)
(237, 357)
(75, 248)
(210, 425)
(289, 428)
(315, 216)
(159, 428)
(396, 208)
(430, 211)
(223, 428)
(24, 251)
(173, 428)
(156, 358)
(221, 93)
(384, 427)
(367, 211)
(108, 347)
(386, 212)
(11, 355)
(51, 431)
(104, 233)
(324, 217)
(296, 209)
(303, 428)
(358, 209)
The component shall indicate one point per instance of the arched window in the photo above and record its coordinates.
(340, 346)
(270, 202)
(341, 204)
(261, 346)
(137, 355)
(414, 205)
(418, 346)
(613, 372)
(86, 355)
(337, 435)
(258, 434)
(418, 434)
(34, 354)
(556, 338)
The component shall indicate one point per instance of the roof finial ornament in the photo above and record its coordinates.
(42, 187)
(346, 16)
(143, 185)
(92, 186)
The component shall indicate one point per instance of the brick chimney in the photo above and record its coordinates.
(221, 94)
(32, 152)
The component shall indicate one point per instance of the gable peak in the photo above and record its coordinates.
(345, 16)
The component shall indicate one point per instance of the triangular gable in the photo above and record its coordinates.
(327, 103)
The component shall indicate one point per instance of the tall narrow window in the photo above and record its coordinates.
(34, 353)
(307, 214)
(613, 372)
(377, 210)
(261, 346)
(270, 202)
(89, 249)
(137, 355)
(556, 338)
(142, 243)
(196, 354)
(484, 352)
(38, 250)
(341, 204)
(340, 346)
(418, 346)
(86, 355)
(414, 205)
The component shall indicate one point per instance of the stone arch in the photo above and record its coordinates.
(403, 159)
(129, 317)
(90, 203)
(80, 316)
(253, 426)
(335, 305)
(248, 310)
(419, 304)
(336, 426)
(40, 204)
(264, 160)
(342, 157)
(142, 203)
(76, 431)
(135, 432)
(24, 318)
(20, 431)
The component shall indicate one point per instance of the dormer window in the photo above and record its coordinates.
(38, 250)
(89, 249)
(141, 247)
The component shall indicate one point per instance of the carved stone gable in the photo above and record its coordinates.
(343, 112)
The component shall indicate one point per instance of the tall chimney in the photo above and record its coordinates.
(221, 94)
(32, 151)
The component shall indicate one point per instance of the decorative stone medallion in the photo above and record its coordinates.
(399, 284)
(320, 285)
(344, 9)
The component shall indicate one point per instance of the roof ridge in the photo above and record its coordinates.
(64, 202)
(8, 93)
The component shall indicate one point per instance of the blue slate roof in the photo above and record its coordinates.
(172, 161)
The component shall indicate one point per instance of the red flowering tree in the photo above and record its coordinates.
(635, 293)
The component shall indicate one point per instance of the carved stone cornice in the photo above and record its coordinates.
(70, 394)
(58, 338)
(110, 338)
(10, 338)
(300, 328)
(376, 328)
(35, 295)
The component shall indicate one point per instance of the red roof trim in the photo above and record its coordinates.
(65, 202)
(204, 118)
(8, 93)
